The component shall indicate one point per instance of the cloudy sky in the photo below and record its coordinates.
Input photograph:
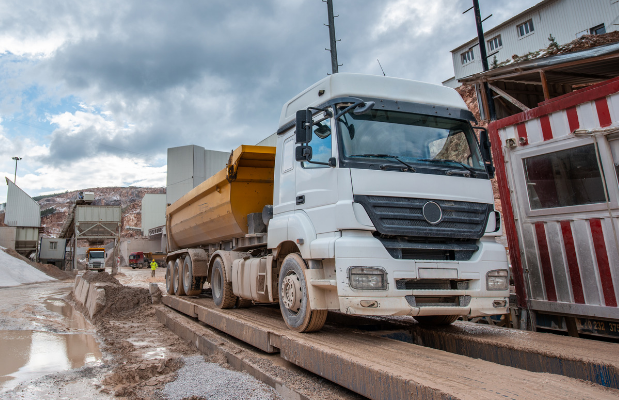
(92, 93)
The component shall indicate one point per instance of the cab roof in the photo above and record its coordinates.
(370, 86)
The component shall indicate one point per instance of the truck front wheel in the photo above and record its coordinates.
(169, 278)
(294, 298)
(437, 319)
(222, 290)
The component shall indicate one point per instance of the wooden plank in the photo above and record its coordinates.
(544, 85)
(509, 98)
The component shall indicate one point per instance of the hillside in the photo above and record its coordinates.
(54, 208)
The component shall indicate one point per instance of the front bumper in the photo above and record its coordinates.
(361, 249)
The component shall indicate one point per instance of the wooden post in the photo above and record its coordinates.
(544, 85)
(484, 100)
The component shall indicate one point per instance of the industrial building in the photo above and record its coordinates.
(530, 30)
(153, 212)
(188, 166)
(23, 219)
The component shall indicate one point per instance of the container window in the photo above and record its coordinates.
(614, 148)
(53, 245)
(564, 178)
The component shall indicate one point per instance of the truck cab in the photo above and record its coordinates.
(383, 189)
(138, 260)
(95, 257)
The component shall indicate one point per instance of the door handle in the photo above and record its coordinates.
(301, 199)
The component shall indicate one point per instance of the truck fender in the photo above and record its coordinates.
(301, 231)
(228, 258)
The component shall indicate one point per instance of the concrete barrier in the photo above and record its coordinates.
(90, 295)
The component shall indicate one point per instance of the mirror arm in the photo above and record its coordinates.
(349, 108)
(328, 113)
(317, 162)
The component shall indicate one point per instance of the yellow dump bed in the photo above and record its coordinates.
(216, 210)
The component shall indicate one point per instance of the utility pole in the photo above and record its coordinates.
(15, 177)
(333, 49)
(484, 58)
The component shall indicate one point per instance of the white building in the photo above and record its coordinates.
(529, 31)
(153, 211)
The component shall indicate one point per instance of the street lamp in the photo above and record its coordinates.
(15, 177)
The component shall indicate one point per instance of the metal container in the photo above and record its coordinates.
(217, 209)
(557, 177)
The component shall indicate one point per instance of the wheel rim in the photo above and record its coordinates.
(187, 278)
(291, 292)
(216, 283)
(175, 277)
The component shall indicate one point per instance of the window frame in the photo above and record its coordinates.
(531, 31)
(317, 117)
(499, 43)
(470, 52)
(602, 25)
(553, 146)
(53, 245)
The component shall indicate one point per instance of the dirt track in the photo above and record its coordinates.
(124, 355)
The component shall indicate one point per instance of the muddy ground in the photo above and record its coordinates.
(55, 352)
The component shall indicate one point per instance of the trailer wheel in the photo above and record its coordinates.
(222, 290)
(169, 278)
(294, 298)
(191, 284)
(178, 278)
(437, 319)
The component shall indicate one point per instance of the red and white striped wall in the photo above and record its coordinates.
(564, 260)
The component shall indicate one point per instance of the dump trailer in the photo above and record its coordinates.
(376, 200)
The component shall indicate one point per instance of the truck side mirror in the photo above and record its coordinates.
(303, 153)
(304, 127)
(486, 152)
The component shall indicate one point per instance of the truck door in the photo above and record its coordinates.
(316, 184)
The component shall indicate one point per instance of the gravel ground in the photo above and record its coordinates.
(211, 381)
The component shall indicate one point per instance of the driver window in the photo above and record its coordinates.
(321, 143)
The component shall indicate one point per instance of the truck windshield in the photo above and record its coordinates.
(96, 254)
(412, 138)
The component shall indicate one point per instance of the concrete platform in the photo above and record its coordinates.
(381, 368)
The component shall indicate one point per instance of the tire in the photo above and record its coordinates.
(222, 290)
(431, 320)
(169, 278)
(294, 298)
(191, 284)
(178, 278)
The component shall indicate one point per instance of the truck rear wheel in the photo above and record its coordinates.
(294, 297)
(178, 278)
(169, 278)
(222, 290)
(191, 284)
(437, 319)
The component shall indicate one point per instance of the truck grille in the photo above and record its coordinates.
(403, 216)
(430, 250)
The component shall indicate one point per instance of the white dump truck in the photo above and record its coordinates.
(376, 200)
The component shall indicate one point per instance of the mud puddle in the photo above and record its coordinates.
(30, 354)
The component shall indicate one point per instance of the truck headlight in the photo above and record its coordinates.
(367, 278)
(497, 279)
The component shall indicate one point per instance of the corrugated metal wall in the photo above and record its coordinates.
(153, 211)
(21, 210)
(564, 19)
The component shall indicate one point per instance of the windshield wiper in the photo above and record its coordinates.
(410, 167)
(441, 160)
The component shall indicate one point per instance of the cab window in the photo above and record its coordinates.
(321, 143)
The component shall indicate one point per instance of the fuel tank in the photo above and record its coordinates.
(216, 210)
